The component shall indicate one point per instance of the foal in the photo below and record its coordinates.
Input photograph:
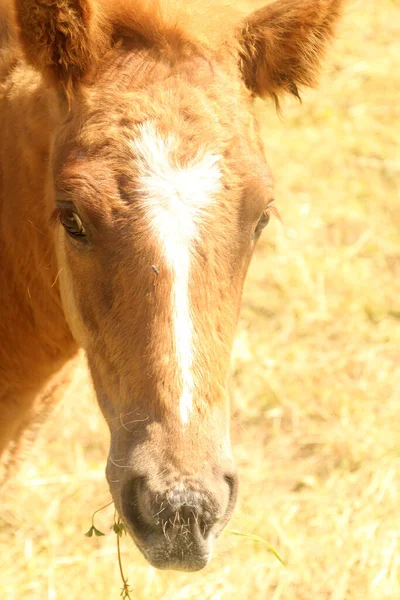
(133, 189)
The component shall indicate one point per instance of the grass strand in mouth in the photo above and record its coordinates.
(93, 530)
(119, 529)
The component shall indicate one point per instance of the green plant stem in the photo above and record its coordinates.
(99, 509)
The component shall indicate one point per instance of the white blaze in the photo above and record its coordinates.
(176, 200)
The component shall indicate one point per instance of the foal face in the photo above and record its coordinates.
(161, 191)
(162, 200)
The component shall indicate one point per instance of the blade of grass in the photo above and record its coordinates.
(257, 538)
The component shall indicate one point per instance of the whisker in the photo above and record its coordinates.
(123, 414)
(160, 511)
(119, 466)
(124, 425)
(137, 421)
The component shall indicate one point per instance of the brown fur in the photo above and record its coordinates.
(283, 44)
(191, 73)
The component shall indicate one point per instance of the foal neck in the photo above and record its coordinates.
(35, 338)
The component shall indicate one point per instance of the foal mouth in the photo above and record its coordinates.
(174, 530)
(178, 550)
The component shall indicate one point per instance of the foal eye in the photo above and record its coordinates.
(263, 222)
(72, 223)
(265, 217)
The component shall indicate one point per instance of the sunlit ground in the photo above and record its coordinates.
(316, 384)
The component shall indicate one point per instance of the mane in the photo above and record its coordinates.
(5, 18)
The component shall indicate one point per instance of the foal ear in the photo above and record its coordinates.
(282, 45)
(60, 38)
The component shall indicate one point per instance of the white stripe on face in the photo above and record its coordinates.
(176, 200)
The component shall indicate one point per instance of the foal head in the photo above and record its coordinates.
(161, 191)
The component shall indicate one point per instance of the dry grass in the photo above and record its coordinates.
(316, 377)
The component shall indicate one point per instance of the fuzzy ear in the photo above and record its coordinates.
(282, 45)
(61, 38)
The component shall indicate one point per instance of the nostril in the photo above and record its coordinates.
(186, 512)
(132, 499)
(233, 484)
(213, 516)
(205, 523)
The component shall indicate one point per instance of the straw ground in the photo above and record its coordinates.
(316, 378)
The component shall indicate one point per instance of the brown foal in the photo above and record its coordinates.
(133, 189)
